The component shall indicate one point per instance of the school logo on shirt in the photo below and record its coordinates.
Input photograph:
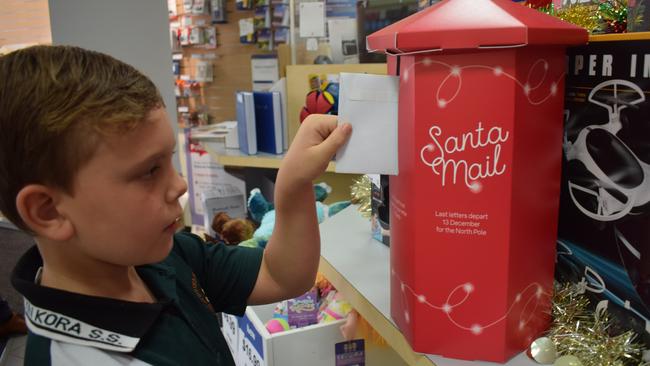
(198, 291)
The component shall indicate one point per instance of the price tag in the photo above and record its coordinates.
(230, 332)
(251, 349)
(350, 353)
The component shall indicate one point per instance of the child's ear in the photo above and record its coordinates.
(37, 207)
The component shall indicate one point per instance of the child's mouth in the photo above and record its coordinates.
(172, 227)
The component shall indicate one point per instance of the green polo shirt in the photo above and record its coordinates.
(181, 328)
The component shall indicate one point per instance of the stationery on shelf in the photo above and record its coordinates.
(224, 133)
(268, 119)
(246, 129)
(281, 87)
(312, 19)
(265, 71)
(246, 30)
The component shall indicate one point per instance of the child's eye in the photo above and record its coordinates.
(151, 172)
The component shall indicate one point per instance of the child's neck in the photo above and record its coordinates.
(127, 286)
(95, 278)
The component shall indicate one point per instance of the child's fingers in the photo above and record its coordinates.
(323, 124)
(336, 139)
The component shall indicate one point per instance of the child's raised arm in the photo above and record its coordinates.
(293, 251)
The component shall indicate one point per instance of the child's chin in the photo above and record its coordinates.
(160, 253)
(164, 252)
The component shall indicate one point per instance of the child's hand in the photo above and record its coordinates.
(315, 144)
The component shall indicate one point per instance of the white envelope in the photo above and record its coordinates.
(369, 103)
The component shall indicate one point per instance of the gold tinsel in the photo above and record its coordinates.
(577, 330)
(581, 15)
(360, 192)
(596, 16)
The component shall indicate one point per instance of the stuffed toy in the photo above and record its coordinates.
(333, 308)
(258, 205)
(263, 212)
(230, 231)
(322, 99)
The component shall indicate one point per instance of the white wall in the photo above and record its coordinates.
(134, 31)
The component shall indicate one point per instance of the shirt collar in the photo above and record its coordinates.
(99, 322)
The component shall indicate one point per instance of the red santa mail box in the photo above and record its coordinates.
(474, 207)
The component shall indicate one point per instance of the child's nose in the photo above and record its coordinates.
(177, 188)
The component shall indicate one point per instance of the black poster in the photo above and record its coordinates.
(604, 227)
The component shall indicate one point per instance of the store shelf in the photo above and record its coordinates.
(234, 157)
(358, 266)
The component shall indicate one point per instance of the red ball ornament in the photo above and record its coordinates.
(536, 4)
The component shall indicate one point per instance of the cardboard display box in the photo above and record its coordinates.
(252, 344)
(473, 211)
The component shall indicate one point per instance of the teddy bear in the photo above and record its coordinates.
(230, 231)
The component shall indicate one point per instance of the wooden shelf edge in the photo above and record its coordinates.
(633, 36)
(249, 161)
(252, 161)
(383, 326)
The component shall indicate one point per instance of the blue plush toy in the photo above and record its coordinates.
(258, 206)
(263, 212)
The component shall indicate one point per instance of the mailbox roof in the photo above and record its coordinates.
(470, 24)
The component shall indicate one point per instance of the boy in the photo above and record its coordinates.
(86, 167)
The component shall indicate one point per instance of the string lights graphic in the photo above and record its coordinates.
(456, 73)
(533, 294)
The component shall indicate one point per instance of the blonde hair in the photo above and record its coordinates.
(56, 102)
